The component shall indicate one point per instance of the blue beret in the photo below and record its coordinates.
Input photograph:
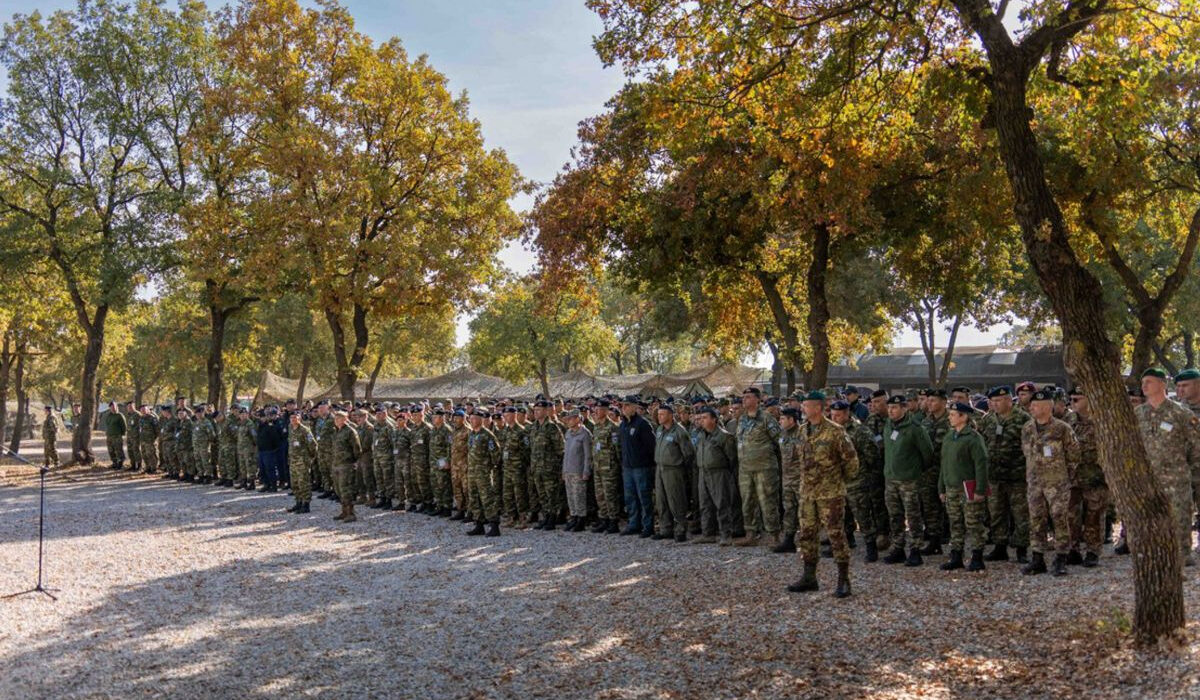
(839, 406)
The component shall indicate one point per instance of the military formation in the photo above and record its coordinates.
(910, 474)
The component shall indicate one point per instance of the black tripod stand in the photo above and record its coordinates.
(39, 588)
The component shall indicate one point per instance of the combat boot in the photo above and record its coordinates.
(613, 528)
(895, 556)
(350, 517)
(1037, 565)
(705, 539)
(571, 524)
(808, 582)
(1074, 558)
(493, 529)
(294, 508)
(456, 515)
(976, 563)
(843, 582)
(726, 541)
(955, 562)
(1060, 565)
(1021, 558)
(826, 550)
(477, 530)
(934, 547)
(372, 502)
(1090, 561)
(600, 526)
(914, 558)
(551, 523)
(304, 507)
(398, 505)
(872, 553)
(998, 553)
(787, 545)
(580, 525)
(341, 515)
(748, 541)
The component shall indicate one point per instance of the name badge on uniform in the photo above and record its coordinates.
(1166, 427)
(895, 435)
(505, 455)
(670, 438)
(1047, 451)
(441, 463)
(877, 438)
(597, 447)
(295, 443)
(999, 430)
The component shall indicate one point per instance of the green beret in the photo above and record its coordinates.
(814, 396)
(1188, 374)
(1156, 372)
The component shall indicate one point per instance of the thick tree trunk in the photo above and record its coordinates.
(22, 401)
(348, 364)
(6, 361)
(304, 367)
(948, 358)
(81, 438)
(1189, 348)
(776, 367)
(1091, 356)
(818, 317)
(783, 323)
(215, 362)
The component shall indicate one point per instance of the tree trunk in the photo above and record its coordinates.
(233, 393)
(304, 367)
(138, 390)
(1091, 356)
(1189, 348)
(215, 363)
(783, 323)
(374, 375)
(817, 320)
(6, 360)
(22, 401)
(616, 356)
(81, 438)
(928, 332)
(348, 364)
(544, 377)
(948, 358)
(776, 367)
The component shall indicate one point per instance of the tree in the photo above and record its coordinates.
(77, 175)
(518, 336)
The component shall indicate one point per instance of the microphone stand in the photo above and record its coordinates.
(39, 588)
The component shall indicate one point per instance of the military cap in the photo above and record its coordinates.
(815, 395)
(573, 413)
(998, 391)
(481, 412)
(1042, 395)
(790, 413)
(1026, 386)
(709, 411)
(736, 401)
(962, 407)
(439, 411)
(851, 389)
(340, 413)
(752, 390)
(1155, 372)
(839, 405)
(923, 392)
(381, 409)
(666, 407)
(1076, 391)
(877, 393)
(604, 403)
(936, 393)
(697, 400)
(542, 403)
(1188, 374)
(981, 405)
(897, 400)
(460, 413)
(771, 402)
(323, 402)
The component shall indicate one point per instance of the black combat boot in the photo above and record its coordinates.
(1021, 558)
(614, 527)
(493, 529)
(294, 508)
(872, 553)
(998, 553)
(456, 515)
(551, 523)
(571, 522)
(826, 550)
(304, 507)
(843, 582)
(955, 562)
(1060, 565)
(808, 582)
(976, 563)
(600, 526)
(1074, 558)
(1090, 561)
(1036, 566)
(787, 545)
(934, 547)
(914, 558)
(477, 530)
(895, 556)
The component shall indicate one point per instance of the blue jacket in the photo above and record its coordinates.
(637, 443)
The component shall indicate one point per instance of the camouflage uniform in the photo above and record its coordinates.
(607, 467)
(1172, 442)
(545, 465)
(514, 455)
(401, 452)
(381, 458)
(167, 428)
(364, 477)
(49, 441)
(1090, 500)
(876, 423)
(827, 461)
(247, 449)
(183, 446)
(931, 505)
(483, 468)
(228, 436)
(114, 436)
(860, 491)
(1051, 457)
(302, 456)
(345, 449)
(1006, 471)
(203, 436)
(789, 457)
(441, 484)
(324, 433)
(148, 432)
(133, 448)
(758, 472)
(458, 466)
(419, 488)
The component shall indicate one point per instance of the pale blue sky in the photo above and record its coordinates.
(528, 67)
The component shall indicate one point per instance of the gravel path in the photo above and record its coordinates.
(177, 590)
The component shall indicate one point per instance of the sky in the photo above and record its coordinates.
(531, 75)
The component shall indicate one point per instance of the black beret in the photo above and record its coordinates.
(1042, 395)
(752, 390)
(897, 400)
(961, 390)
(877, 393)
(961, 407)
(790, 413)
(997, 391)
(936, 393)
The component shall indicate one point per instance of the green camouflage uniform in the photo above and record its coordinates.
(514, 455)
(167, 429)
(1006, 472)
(906, 455)
(247, 449)
(758, 472)
(364, 477)
(183, 446)
(133, 448)
(228, 449)
(203, 436)
(381, 458)
(345, 451)
(1089, 498)
(148, 432)
(420, 490)
(1051, 457)
(545, 465)
(827, 461)
(440, 483)
(324, 434)
(789, 457)
(606, 467)
(931, 505)
(458, 465)
(1172, 442)
(861, 489)
(49, 441)
(876, 423)
(401, 453)
(483, 468)
(302, 456)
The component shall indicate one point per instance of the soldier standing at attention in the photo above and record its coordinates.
(1187, 389)
(183, 443)
(1008, 501)
(420, 490)
(789, 424)
(168, 424)
(1089, 502)
(870, 472)
(963, 487)
(827, 461)
(49, 438)
(148, 437)
(876, 422)
(1051, 458)
(364, 470)
(1172, 441)
(576, 469)
(673, 455)
(441, 484)
(607, 465)
(716, 460)
(459, 432)
(545, 463)
(758, 471)
(346, 449)
(906, 452)
(483, 469)
(514, 454)
(302, 455)
(381, 458)
(114, 435)
(204, 433)
(132, 434)
(937, 424)
(247, 447)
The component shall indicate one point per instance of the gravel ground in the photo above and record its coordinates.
(176, 590)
